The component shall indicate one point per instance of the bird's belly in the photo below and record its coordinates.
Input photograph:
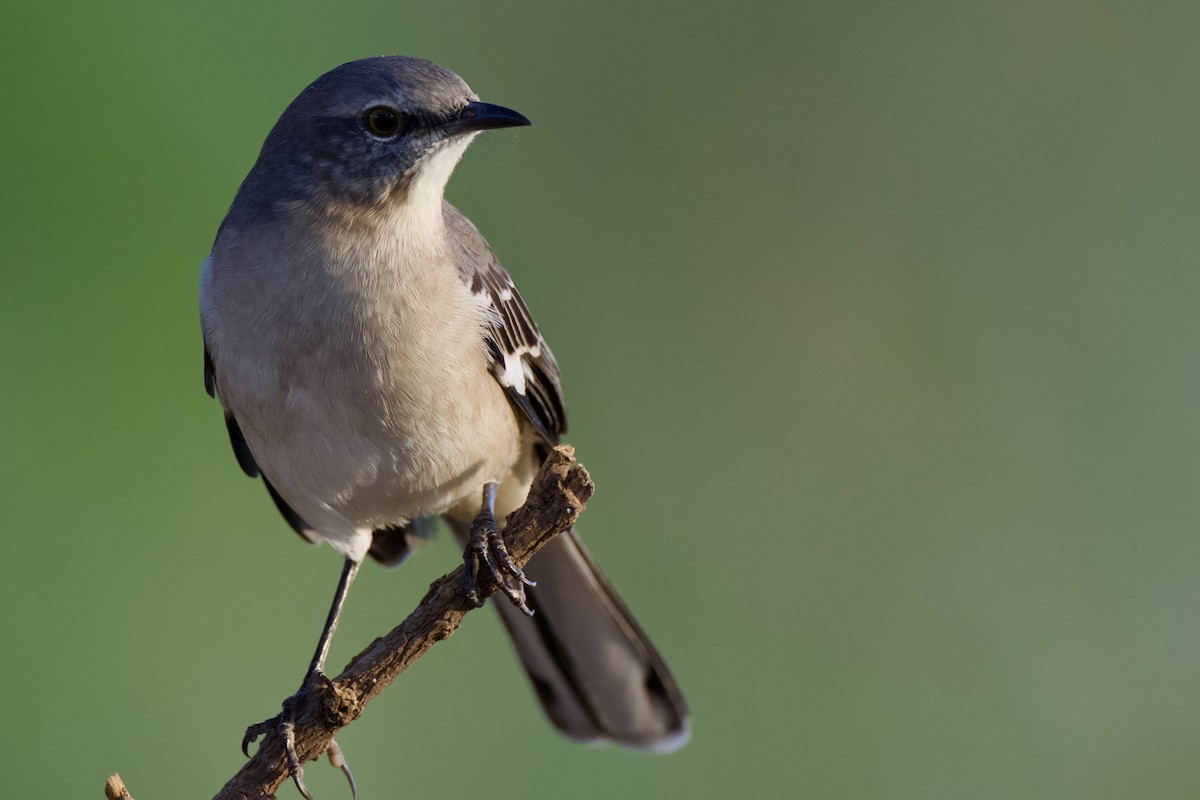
(397, 455)
(375, 444)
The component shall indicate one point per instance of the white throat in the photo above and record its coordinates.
(423, 201)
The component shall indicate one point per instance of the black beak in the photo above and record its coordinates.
(481, 117)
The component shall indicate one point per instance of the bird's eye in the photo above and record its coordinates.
(383, 121)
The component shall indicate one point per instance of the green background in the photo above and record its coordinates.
(879, 329)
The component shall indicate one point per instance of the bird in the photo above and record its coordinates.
(378, 369)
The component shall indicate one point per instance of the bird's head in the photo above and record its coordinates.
(374, 131)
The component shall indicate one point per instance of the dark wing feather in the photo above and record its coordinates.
(519, 357)
(391, 545)
(241, 450)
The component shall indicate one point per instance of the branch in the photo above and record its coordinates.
(557, 498)
(115, 788)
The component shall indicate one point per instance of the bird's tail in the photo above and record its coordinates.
(595, 671)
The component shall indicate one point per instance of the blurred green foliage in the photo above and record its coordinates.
(879, 330)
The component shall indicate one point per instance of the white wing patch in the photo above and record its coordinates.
(518, 356)
(517, 369)
(513, 376)
(520, 359)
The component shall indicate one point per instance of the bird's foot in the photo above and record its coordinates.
(284, 724)
(486, 553)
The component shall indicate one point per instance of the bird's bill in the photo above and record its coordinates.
(479, 116)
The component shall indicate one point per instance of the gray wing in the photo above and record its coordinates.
(519, 357)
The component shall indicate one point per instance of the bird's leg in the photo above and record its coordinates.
(486, 551)
(285, 723)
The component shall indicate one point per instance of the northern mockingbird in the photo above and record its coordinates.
(378, 368)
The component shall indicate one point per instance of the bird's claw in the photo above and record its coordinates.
(486, 552)
(284, 724)
(255, 731)
(338, 759)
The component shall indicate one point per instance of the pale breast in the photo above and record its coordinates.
(361, 385)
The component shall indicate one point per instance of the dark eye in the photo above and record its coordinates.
(383, 121)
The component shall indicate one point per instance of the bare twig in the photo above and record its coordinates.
(115, 789)
(555, 501)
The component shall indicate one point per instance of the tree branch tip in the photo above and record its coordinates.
(114, 788)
